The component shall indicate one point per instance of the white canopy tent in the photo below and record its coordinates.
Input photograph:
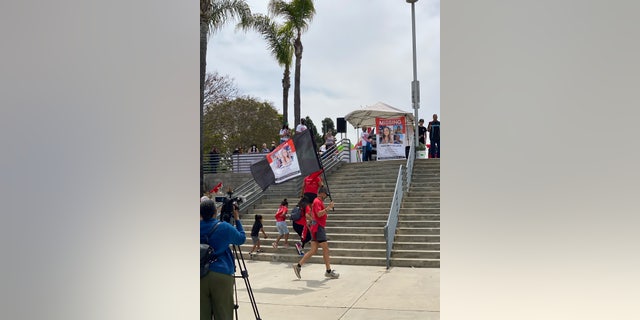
(367, 115)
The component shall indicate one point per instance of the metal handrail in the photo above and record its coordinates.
(392, 220)
(410, 162)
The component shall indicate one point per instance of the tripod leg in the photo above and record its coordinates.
(245, 275)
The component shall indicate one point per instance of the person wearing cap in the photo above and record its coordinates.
(318, 223)
(216, 288)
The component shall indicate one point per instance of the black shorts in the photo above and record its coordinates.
(320, 235)
(310, 196)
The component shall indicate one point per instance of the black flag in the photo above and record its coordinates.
(293, 158)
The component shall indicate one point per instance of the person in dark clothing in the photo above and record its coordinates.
(422, 132)
(434, 137)
(255, 234)
(301, 225)
(216, 288)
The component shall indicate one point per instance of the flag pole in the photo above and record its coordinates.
(324, 174)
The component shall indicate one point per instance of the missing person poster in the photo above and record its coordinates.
(391, 138)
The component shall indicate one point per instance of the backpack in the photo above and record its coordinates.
(296, 214)
(207, 253)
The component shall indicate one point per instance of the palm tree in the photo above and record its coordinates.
(279, 42)
(213, 15)
(297, 15)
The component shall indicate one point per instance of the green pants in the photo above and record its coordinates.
(216, 296)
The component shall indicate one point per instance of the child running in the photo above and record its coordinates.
(255, 237)
(281, 224)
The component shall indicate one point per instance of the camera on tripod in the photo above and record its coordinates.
(229, 203)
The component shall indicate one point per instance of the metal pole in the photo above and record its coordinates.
(415, 84)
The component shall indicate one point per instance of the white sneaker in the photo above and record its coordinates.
(296, 270)
(333, 274)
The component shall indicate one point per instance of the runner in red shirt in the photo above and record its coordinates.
(318, 235)
(311, 184)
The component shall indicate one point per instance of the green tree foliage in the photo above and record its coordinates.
(240, 122)
(327, 124)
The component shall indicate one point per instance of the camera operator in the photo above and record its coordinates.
(216, 288)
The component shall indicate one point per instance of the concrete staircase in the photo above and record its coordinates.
(362, 193)
(417, 241)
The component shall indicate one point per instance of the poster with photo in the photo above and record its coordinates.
(391, 138)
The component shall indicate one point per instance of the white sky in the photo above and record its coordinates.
(356, 53)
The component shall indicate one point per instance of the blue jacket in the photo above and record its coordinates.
(224, 236)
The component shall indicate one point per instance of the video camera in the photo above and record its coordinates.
(229, 203)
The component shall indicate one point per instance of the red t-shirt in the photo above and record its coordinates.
(281, 214)
(303, 219)
(318, 205)
(312, 182)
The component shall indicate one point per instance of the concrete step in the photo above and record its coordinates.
(415, 254)
(316, 259)
(399, 245)
(416, 238)
(418, 224)
(417, 231)
(414, 262)
(340, 203)
(334, 251)
(331, 229)
(418, 217)
(425, 187)
(420, 205)
(359, 186)
(343, 223)
(425, 199)
(418, 211)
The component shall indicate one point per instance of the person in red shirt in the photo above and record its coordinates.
(311, 184)
(318, 235)
(281, 224)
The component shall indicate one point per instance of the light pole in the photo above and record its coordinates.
(415, 84)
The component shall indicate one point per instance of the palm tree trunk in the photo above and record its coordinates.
(297, 45)
(286, 84)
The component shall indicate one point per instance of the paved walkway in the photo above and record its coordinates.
(361, 292)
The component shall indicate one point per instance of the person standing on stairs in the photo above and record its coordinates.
(434, 137)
